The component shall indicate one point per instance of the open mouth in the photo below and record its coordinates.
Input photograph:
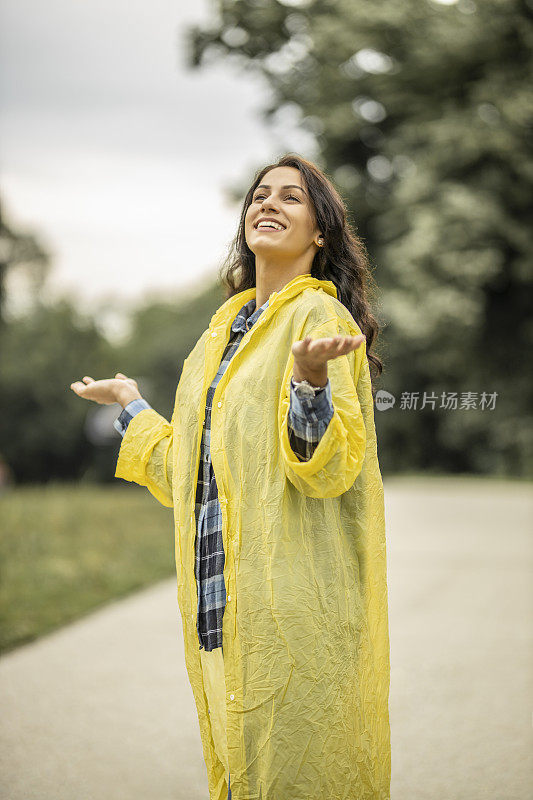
(267, 225)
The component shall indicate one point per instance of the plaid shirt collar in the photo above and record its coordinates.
(247, 316)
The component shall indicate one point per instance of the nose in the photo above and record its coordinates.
(268, 203)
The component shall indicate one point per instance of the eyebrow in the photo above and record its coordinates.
(287, 186)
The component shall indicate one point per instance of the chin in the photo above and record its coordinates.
(267, 243)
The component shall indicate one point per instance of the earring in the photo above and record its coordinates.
(320, 241)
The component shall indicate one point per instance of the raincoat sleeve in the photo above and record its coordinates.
(145, 455)
(338, 458)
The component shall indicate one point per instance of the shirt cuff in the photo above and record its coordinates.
(321, 405)
(128, 412)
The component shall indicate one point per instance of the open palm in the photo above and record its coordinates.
(313, 354)
(108, 390)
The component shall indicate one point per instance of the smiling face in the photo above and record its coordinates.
(280, 221)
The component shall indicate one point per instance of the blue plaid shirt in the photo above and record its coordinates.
(307, 420)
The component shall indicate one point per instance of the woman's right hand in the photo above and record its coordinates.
(119, 389)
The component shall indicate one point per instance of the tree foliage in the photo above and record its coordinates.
(46, 430)
(422, 115)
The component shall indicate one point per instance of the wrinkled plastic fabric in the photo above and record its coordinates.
(305, 633)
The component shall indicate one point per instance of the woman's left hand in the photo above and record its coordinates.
(311, 356)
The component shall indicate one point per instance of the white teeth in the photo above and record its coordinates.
(274, 225)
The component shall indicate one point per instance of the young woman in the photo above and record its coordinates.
(270, 464)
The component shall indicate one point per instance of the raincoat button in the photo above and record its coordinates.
(219, 404)
(232, 697)
(213, 334)
(229, 598)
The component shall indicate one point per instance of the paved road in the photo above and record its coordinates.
(102, 709)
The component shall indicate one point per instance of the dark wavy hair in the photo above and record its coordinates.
(342, 259)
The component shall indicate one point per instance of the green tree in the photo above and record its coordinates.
(42, 422)
(46, 431)
(21, 251)
(421, 113)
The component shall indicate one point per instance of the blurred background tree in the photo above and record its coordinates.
(23, 258)
(422, 115)
(46, 432)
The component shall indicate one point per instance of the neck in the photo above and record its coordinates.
(272, 277)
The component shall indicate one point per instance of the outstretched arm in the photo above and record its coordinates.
(145, 454)
(159, 467)
(338, 458)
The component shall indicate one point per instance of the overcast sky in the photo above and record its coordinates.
(117, 154)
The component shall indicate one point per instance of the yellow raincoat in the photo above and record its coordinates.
(305, 629)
